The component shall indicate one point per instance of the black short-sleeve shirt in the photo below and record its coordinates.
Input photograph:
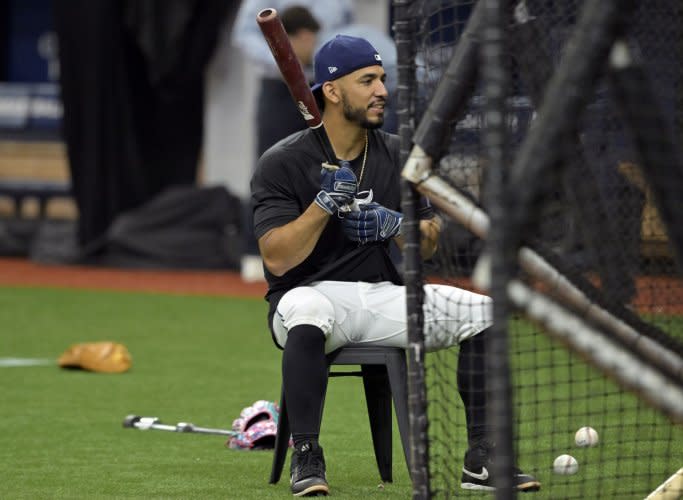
(285, 183)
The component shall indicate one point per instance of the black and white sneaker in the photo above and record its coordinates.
(476, 474)
(308, 471)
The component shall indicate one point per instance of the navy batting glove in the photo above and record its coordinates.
(372, 222)
(338, 186)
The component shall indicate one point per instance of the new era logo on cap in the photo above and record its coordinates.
(343, 55)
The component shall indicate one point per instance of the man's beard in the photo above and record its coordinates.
(359, 115)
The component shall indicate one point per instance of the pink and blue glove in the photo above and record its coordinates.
(338, 186)
(372, 222)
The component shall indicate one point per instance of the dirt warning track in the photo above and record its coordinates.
(23, 272)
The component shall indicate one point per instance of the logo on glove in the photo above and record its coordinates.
(338, 186)
(372, 223)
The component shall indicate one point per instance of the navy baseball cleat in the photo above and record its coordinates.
(476, 474)
(308, 471)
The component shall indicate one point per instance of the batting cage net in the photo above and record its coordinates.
(583, 234)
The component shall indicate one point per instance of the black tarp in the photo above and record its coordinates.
(132, 81)
(183, 227)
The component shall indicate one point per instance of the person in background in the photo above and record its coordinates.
(276, 115)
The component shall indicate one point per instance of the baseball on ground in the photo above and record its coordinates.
(585, 437)
(565, 465)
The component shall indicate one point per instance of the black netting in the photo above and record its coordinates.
(599, 217)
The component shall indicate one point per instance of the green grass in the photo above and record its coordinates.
(197, 359)
(639, 448)
(556, 393)
(202, 359)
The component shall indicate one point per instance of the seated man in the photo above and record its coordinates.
(331, 280)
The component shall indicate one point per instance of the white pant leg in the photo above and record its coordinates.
(302, 306)
(375, 314)
(452, 315)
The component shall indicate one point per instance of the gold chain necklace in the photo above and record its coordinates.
(365, 157)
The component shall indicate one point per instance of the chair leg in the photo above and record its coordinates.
(398, 381)
(281, 441)
(378, 399)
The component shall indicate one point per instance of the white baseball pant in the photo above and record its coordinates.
(375, 314)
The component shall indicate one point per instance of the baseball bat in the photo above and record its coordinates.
(293, 74)
(147, 423)
(671, 489)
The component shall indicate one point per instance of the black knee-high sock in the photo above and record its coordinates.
(304, 375)
(472, 385)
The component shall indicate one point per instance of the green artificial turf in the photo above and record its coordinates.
(202, 359)
(555, 394)
(196, 359)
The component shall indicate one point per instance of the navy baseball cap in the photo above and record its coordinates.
(343, 55)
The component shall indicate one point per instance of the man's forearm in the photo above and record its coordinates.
(285, 247)
(429, 237)
(429, 242)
